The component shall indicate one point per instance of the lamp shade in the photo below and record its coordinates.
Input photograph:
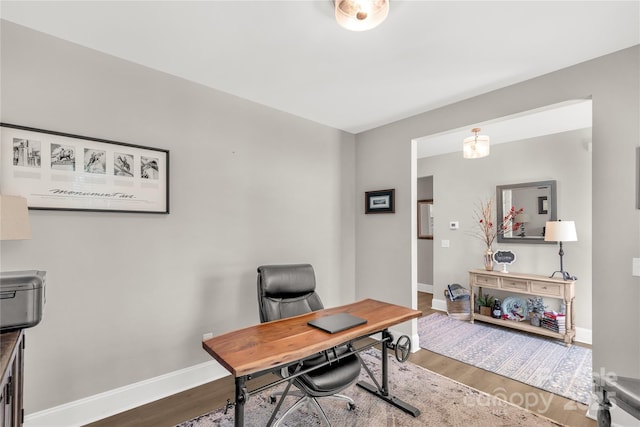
(476, 146)
(361, 15)
(560, 231)
(14, 218)
(523, 217)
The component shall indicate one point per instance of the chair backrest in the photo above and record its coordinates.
(286, 291)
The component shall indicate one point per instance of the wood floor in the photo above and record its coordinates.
(191, 403)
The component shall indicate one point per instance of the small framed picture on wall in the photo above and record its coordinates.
(543, 205)
(380, 201)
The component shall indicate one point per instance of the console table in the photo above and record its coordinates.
(525, 284)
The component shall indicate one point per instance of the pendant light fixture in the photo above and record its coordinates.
(361, 15)
(476, 146)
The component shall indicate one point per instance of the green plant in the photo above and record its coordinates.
(486, 301)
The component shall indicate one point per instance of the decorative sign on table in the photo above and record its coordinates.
(60, 171)
(505, 258)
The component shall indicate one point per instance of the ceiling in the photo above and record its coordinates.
(292, 56)
(552, 119)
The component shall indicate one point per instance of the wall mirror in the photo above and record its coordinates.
(425, 219)
(538, 199)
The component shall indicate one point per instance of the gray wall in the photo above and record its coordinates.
(130, 295)
(384, 158)
(461, 184)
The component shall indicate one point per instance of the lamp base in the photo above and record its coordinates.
(565, 275)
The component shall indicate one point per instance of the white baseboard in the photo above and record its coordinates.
(584, 336)
(103, 405)
(425, 288)
(439, 304)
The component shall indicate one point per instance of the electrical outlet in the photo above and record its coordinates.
(445, 243)
(454, 225)
(635, 269)
(207, 336)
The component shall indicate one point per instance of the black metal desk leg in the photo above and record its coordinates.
(241, 398)
(386, 337)
(382, 391)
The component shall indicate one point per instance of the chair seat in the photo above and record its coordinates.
(328, 380)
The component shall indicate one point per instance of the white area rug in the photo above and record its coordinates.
(540, 362)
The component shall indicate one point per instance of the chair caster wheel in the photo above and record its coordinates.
(604, 417)
(351, 406)
(272, 399)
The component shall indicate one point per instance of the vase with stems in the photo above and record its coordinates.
(487, 230)
(488, 259)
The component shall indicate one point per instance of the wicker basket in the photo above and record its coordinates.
(460, 310)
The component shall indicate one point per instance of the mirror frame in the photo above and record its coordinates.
(421, 204)
(553, 212)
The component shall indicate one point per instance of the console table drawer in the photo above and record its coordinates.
(488, 281)
(550, 289)
(521, 285)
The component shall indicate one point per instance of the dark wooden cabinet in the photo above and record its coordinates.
(12, 364)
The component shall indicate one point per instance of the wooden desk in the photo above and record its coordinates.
(266, 347)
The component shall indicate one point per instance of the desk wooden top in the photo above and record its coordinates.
(268, 345)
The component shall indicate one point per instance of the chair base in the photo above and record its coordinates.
(312, 401)
(400, 404)
(625, 392)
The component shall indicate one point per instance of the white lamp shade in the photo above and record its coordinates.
(14, 218)
(475, 147)
(523, 217)
(361, 15)
(560, 231)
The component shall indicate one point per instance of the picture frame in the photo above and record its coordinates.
(543, 205)
(380, 201)
(61, 171)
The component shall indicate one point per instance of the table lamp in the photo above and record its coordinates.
(14, 218)
(561, 231)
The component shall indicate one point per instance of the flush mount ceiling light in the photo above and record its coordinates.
(361, 15)
(475, 147)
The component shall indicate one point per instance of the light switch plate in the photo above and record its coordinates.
(635, 269)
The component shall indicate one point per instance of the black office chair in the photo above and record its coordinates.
(624, 391)
(289, 290)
